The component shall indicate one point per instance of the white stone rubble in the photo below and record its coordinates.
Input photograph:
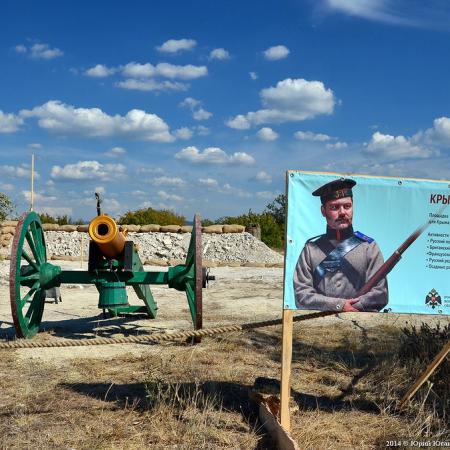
(229, 247)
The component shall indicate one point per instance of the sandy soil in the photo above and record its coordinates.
(238, 295)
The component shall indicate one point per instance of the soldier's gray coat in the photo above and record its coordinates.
(356, 269)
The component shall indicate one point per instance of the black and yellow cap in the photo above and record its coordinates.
(335, 189)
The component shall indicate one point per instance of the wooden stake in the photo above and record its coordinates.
(286, 359)
(282, 437)
(425, 375)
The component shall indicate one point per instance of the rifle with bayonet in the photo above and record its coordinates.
(391, 262)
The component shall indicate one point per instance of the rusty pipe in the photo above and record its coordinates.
(104, 231)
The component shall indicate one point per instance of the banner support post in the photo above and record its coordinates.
(286, 359)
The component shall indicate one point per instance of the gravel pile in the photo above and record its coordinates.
(230, 247)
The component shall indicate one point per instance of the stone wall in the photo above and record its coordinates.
(158, 245)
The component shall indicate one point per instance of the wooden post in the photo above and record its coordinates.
(286, 359)
(425, 375)
(32, 183)
(81, 249)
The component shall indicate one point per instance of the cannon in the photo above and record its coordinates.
(113, 264)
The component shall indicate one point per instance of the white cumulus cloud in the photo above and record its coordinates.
(253, 75)
(9, 123)
(276, 52)
(291, 100)
(187, 72)
(167, 181)
(151, 85)
(264, 177)
(115, 152)
(198, 112)
(201, 114)
(177, 45)
(190, 102)
(58, 117)
(267, 134)
(88, 170)
(55, 211)
(213, 155)
(396, 147)
(138, 70)
(38, 197)
(208, 182)
(266, 194)
(337, 145)
(20, 48)
(219, 53)
(172, 197)
(43, 51)
(438, 135)
(310, 136)
(100, 71)
(22, 171)
(183, 133)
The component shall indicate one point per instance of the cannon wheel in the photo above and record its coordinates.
(194, 259)
(27, 296)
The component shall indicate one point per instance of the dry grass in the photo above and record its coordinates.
(346, 382)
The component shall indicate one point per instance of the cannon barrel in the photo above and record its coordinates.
(104, 231)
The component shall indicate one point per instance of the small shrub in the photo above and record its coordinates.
(272, 233)
(6, 206)
(418, 349)
(149, 215)
(60, 220)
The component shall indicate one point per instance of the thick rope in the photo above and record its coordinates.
(156, 337)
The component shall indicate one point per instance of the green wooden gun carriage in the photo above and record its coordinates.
(113, 264)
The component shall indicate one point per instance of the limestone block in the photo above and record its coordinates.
(50, 227)
(213, 229)
(151, 228)
(9, 223)
(132, 228)
(8, 230)
(186, 229)
(170, 228)
(233, 228)
(68, 228)
(83, 228)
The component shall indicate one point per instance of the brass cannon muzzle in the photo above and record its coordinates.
(104, 231)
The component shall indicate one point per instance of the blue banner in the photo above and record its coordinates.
(341, 230)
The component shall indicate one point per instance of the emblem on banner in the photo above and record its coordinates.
(433, 299)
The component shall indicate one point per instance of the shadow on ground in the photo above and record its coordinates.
(228, 396)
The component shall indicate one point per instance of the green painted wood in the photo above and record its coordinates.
(130, 278)
(27, 296)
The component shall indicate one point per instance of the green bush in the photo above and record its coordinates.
(149, 215)
(272, 233)
(60, 220)
(6, 206)
(278, 209)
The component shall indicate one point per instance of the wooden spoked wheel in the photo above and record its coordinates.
(28, 255)
(194, 263)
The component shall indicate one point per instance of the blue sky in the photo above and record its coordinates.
(202, 106)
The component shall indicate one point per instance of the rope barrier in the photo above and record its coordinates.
(156, 337)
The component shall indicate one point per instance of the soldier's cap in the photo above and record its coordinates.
(335, 189)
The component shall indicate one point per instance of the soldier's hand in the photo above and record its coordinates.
(348, 305)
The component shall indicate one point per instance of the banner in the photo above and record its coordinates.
(342, 230)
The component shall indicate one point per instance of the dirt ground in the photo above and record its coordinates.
(122, 396)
